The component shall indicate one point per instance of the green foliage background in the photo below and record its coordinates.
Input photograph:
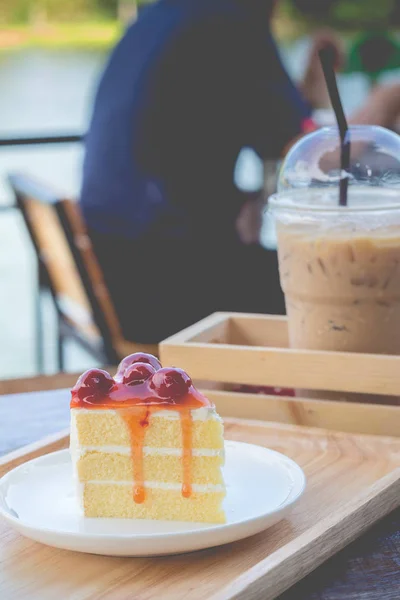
(22, 11)
(346, 14)
(351, 14)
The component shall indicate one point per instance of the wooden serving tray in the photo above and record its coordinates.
(353, 480)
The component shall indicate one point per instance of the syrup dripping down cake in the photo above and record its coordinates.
(146, 444)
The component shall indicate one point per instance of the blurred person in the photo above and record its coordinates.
(190, 84)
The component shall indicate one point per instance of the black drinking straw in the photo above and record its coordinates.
(327, 63)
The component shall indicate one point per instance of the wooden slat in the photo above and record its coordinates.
(283, 367)
(55, 253)
(83, 244)
(350, 417)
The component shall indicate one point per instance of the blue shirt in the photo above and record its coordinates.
(190, 84)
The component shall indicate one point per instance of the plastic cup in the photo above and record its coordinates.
(340, 268)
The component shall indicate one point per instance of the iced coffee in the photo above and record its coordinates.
(340, 269)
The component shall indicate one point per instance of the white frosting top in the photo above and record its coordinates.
(198, 414)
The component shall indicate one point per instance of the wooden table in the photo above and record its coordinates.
(368, 569)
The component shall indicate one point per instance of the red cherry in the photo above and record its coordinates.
(170, 383)
(93, 383)
(138, 373)
(137, 357)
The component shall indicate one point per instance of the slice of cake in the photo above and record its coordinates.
(146, 444)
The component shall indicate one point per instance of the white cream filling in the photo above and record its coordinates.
(82, 450)
(196, 487)
(198, 414)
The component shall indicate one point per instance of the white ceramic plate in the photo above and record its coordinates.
(38, 500)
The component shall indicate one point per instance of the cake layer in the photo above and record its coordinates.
(106, 427)
(116, 500)
(97, 465)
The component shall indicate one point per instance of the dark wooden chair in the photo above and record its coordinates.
(68, 268)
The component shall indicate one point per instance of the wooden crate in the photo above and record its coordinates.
(236, 348)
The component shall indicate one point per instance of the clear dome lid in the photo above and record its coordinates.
(314, 161)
